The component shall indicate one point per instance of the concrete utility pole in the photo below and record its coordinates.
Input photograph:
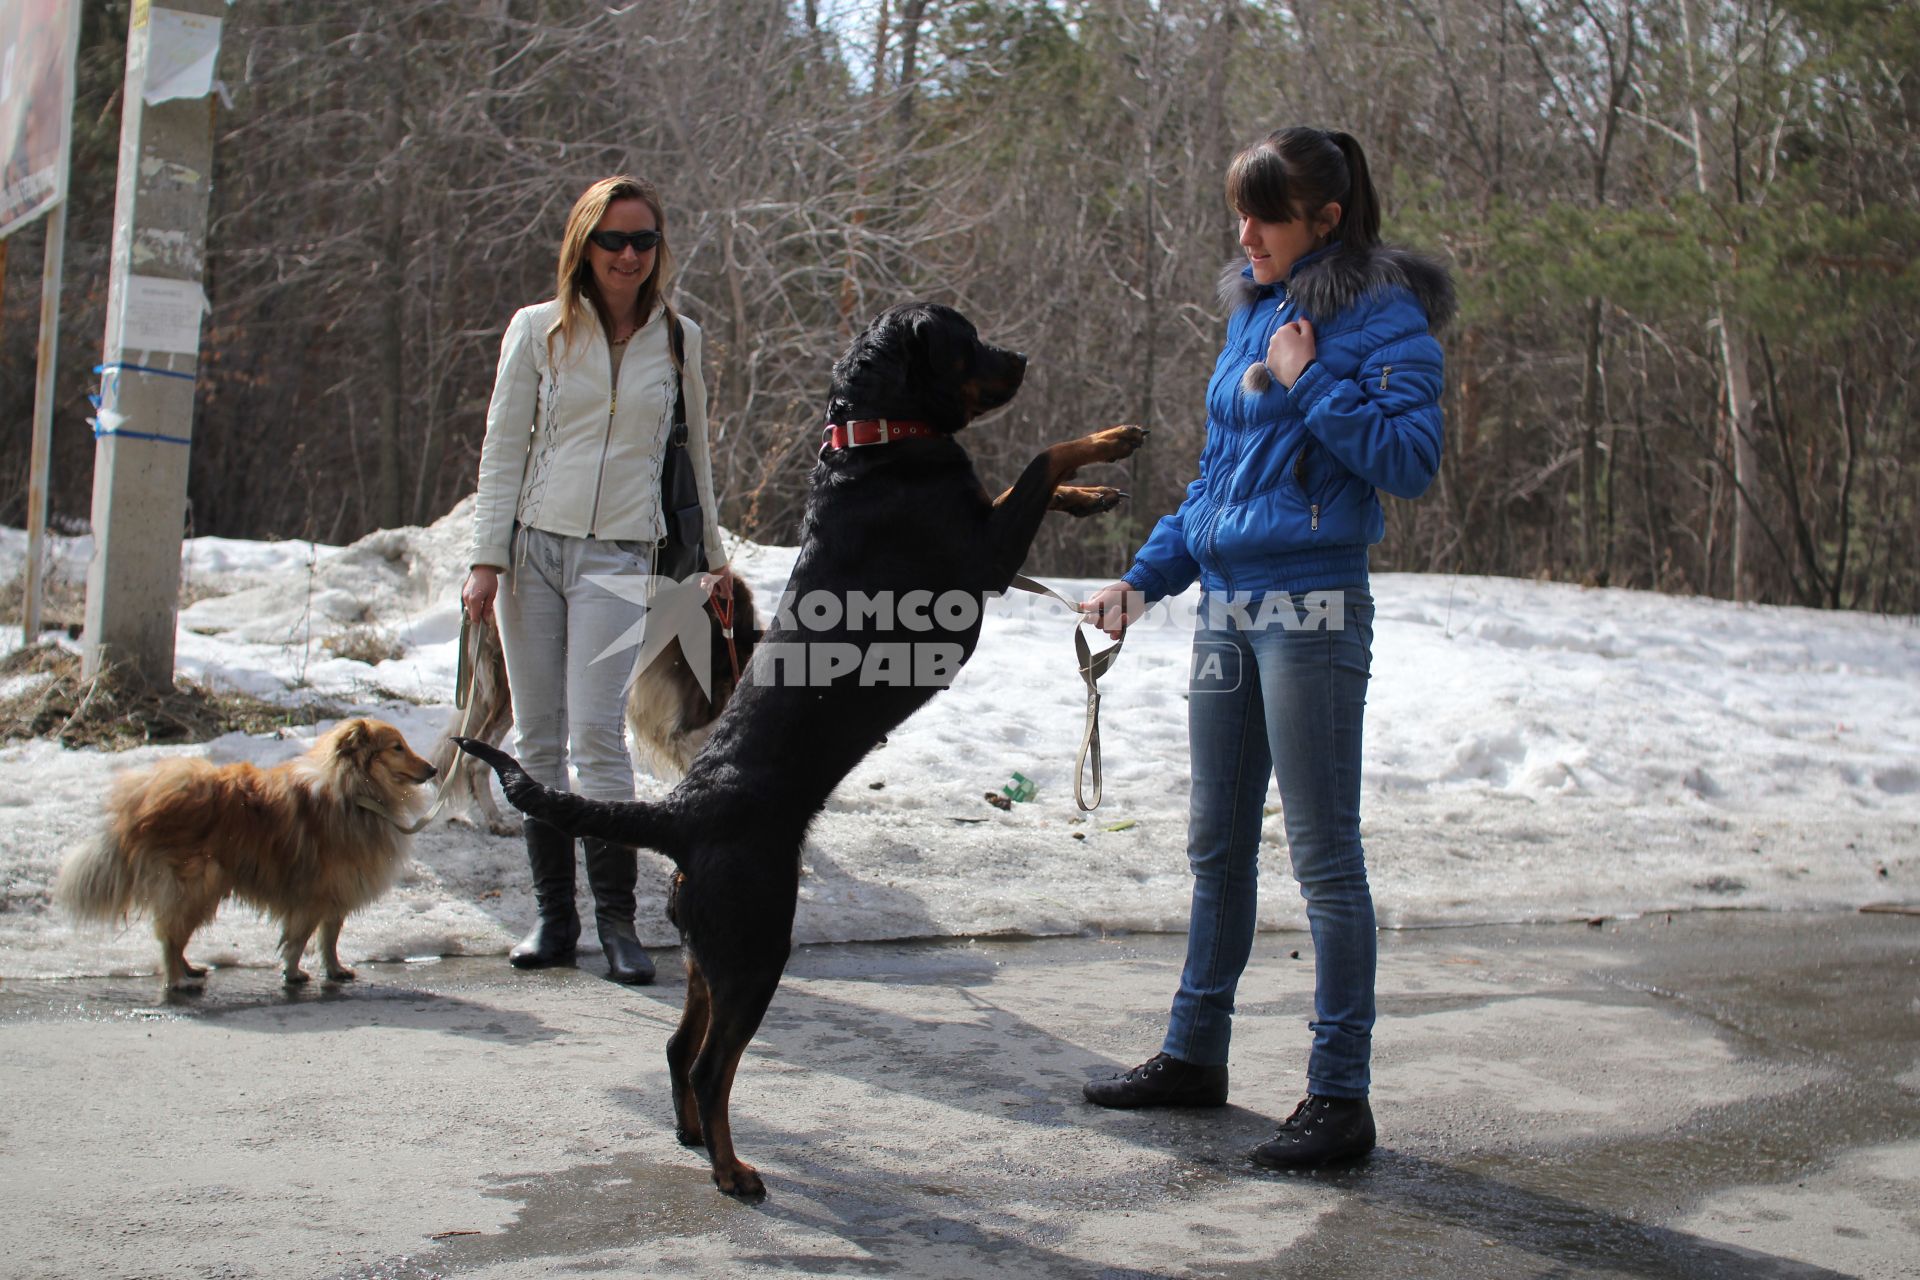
(154, 306)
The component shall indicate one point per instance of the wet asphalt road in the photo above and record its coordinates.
(1708, 1095)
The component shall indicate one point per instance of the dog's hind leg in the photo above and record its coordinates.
(330, 952)
(682, 1049)
(736, 1011)
(180, 975)
(183, 907)
(293, 944)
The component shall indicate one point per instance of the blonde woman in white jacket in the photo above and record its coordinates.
(569, 494)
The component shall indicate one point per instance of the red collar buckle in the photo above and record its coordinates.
(866, 431)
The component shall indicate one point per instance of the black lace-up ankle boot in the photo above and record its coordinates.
(1162, 1081)
(1321, 1131)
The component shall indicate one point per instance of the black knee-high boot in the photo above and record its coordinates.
(612, 870)
(557, 930)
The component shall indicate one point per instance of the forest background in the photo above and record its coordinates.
(1683, 231)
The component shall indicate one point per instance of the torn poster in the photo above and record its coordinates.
(181, 49)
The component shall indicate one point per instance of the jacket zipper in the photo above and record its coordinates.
(606, 445)
(1220, 509)
(1213, 547)
(1299, 465)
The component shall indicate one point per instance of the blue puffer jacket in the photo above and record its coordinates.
(1286, 496)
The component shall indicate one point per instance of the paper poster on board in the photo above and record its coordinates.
(36, 106)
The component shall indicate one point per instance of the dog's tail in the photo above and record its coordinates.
(97, 881)
(651, 826)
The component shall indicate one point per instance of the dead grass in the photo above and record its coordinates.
(116, 711)
(364, 643)
(63, 602)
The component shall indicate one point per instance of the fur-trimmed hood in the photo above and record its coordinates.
(1330, 281)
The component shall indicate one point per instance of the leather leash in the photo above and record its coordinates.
(462, 698)
(723, 614)
(1092, 667)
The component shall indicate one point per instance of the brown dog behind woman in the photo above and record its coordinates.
(670, 709)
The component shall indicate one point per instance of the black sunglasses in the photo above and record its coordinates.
(615, 241)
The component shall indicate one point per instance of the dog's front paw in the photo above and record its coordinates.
(341, 973)
(689, 1137)
(294, 977)
(1081, 500)
(1116, 443)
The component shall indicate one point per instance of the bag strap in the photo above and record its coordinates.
(677, 347)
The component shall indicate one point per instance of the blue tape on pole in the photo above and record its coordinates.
(99, 431)
(118, 365)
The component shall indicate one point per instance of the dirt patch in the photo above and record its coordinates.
(42, 695)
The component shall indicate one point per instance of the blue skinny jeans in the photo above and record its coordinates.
(1280, 691)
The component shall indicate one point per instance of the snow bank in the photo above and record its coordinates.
(1534, 751)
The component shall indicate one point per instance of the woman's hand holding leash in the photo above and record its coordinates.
(478, 591)
(1114, 607)
(1291, 351)
(719, 587)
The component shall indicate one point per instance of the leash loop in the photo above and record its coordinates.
(1092, 667)
(723, 614)
(463, 674)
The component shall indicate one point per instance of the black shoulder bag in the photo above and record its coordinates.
(681, 553)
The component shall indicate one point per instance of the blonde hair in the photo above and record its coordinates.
(574, 286)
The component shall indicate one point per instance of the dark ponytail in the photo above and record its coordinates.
(1360, 214)
(1299, 171)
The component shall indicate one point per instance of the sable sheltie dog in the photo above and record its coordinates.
(309, 842)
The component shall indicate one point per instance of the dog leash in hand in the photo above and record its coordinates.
(723, 614)
(1092, 667)
(462, 697)
(463, 673)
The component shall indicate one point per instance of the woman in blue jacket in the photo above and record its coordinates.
(1327, 390)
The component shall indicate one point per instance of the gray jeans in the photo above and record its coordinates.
(555, 626)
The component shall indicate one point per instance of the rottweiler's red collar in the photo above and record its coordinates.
(865, 431)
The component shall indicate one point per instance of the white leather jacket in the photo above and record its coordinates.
(568, 451)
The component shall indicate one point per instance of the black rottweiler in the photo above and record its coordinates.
(899, 546)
